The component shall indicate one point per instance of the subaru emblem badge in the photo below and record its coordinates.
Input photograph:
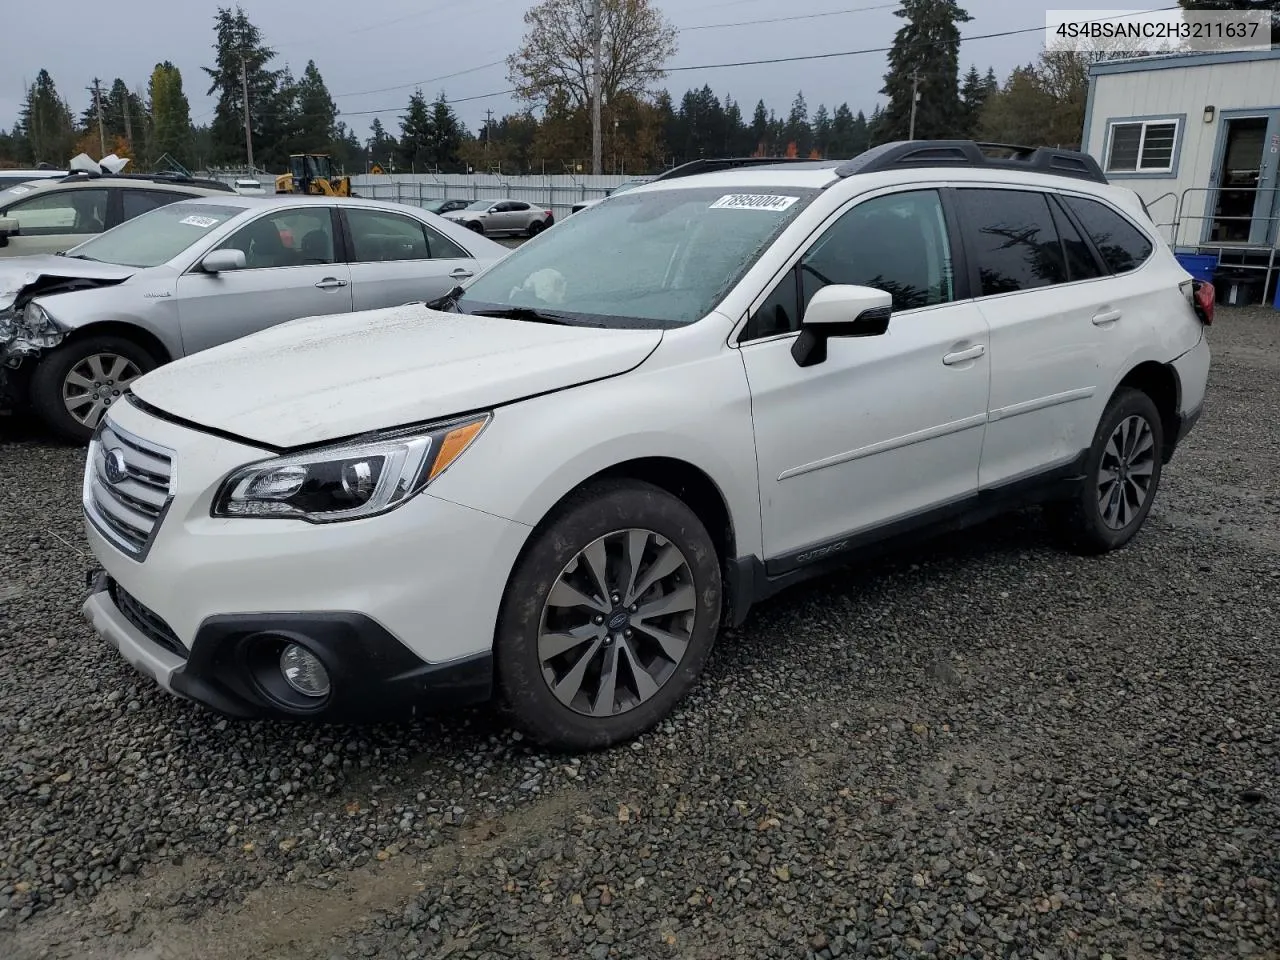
(115, 466)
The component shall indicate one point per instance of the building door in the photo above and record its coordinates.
(1245, 188)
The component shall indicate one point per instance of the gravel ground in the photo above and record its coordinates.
(987, 749)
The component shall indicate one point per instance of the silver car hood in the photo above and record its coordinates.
(20, 273)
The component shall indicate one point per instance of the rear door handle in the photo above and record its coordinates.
(462, 273)
(330, 283)
(961, 356)
(1105, 317)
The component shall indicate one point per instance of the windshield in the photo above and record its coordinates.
(158, 235)
(481, 204)
(627, 185)
(649, 259)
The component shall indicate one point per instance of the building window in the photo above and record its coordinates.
(1145, 146)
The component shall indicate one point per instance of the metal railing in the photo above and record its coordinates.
(1242, 255)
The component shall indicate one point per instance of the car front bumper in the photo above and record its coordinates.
(400, 608)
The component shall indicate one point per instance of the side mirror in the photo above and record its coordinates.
(8, 228)
(840, 310)
(221, 261)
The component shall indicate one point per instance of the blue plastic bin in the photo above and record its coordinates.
(1201, 266)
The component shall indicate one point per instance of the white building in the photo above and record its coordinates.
(1198, 138)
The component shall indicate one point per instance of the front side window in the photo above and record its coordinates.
(60, 213)
(1145, 146)
(896, 243)
(1123, 246)
(158, 236)
(290, 238)
(1013, 238)
(656, 259)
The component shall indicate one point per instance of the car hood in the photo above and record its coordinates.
(21, 273)
(324, 378)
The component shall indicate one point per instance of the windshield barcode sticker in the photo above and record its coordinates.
(203, 222)
(753, 201)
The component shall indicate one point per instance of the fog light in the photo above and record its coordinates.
(304, 672)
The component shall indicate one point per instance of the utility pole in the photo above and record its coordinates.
(488, 129)
(248, 127)
(597, 37)
(915, 98)
(102, 130)
(128, 121)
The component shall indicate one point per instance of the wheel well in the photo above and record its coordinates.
(127, 331)
(1159, 382)
(688, 484)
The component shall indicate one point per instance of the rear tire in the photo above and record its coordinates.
(583, 664)
(1122, 477)
(536, 228)
(75, 385)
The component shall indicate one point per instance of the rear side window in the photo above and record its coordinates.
(1013, 239)
(137, 202)
(1123, 246)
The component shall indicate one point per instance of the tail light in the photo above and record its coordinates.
(1200, 295)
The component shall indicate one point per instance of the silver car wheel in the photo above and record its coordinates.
(96, 382)
(1125, 471)
(617, 623)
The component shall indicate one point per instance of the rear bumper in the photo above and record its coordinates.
(233, 664)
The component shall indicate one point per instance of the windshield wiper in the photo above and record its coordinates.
(74, 256)
(526, 315)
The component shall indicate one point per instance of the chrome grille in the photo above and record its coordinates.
(128, 485)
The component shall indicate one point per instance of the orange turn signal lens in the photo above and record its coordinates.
(453, 445)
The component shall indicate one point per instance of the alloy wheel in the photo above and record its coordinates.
(1125, 472)
(617, 623)
(96, 382)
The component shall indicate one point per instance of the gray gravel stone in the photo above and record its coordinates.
(986, 748)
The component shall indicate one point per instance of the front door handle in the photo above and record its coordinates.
(962, 356)
(1105, 317)
(462, 273)
(331, 283)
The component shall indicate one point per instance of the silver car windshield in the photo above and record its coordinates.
(643, 259)
(481, 204)
(156, 236)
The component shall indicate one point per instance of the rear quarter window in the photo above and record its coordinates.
(1122, 245)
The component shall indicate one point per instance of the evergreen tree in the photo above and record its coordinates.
(383, 148)
(446, 136)
(317, 115)
(797, 135)
(239, 43)
(170, 115)
(822, 128)
(760, 131)
(46, 124)
(861, 134)
(667, 121)
(414, 151)
(973, 95)
(927, 46)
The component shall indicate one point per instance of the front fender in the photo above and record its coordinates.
(148, 307)
(537, 451)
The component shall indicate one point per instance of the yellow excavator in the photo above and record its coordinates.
(312, 173)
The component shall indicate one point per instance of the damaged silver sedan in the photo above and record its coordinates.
(77, 328)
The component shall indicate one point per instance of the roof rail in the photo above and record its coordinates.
(150, 177)
(723, 163)
(958, 153)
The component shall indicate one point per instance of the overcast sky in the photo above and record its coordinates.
(398, 44)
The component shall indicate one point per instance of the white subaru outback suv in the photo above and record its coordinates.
(555, 485)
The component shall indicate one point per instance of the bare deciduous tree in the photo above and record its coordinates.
(557, 53)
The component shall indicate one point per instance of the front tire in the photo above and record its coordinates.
(1122, 476)
(609, 617)
(475, 227)
(74, 386)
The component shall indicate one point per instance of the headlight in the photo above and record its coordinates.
(36, 319)
(346, 482)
